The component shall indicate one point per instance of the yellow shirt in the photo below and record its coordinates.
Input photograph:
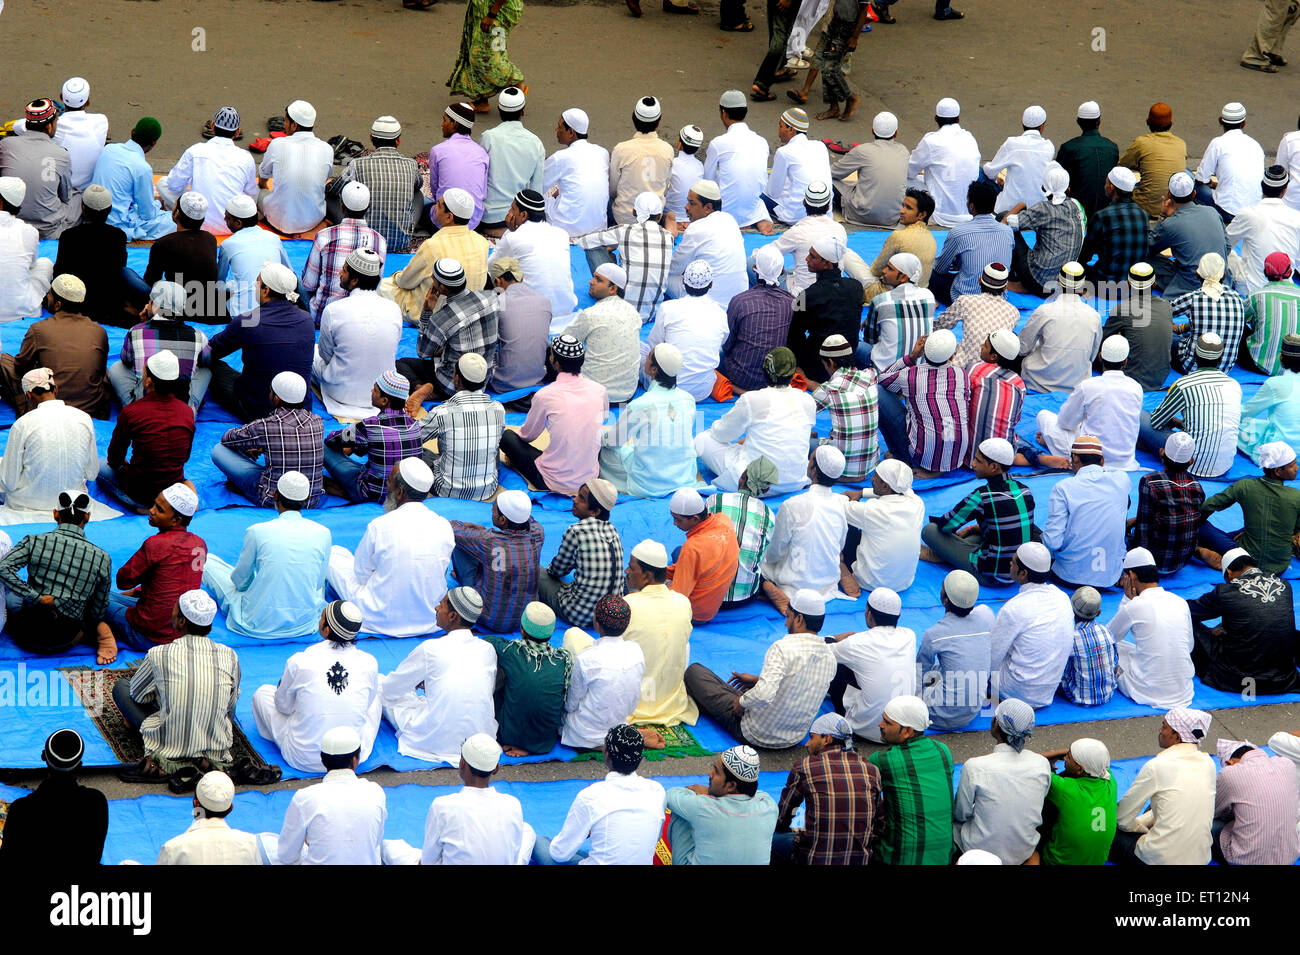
(409, 287)
(914, 238)
(1154, 157)
(661, 627)
(640, 164)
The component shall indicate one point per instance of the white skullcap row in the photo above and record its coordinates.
(364, 262)
(197, 607)
(181, 498)
(808, 603)
(1233, 113)
(515, 505)
(241, 206)
(1233, 555)
(1181, 185)
(387, 127)
(691, 136)
(817, 194)
(697, 275)
(651, 553)
(686, 502)
(732, 99)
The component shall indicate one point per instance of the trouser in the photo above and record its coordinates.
(125, 631)
(955, 551)
(548, 590)
(940, 6)
(133, 711)
(1030, 450)
(1149, 437)
(347, 470)
(893, 426)
(832, 46)
(1123, 848)
(941, 286)
(711, 693)
(779, 24)
(542, 854)
(1205, 197)
(1020, 270)
(1202, 647)
(1275, 22)
(136, 288)
(129, 386)
(599, 256)
(843, 679)
(243, 473)
(223, 387)
(1216, 540)
(782, 849)
(522, 456)
(42, 630)
(465, 568)
(422, 371)
(108, 483)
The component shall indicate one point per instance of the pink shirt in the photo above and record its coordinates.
(572, 409)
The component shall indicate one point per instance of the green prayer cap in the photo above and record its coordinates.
(148, 128)
(779, 363)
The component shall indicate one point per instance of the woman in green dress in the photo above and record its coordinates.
(483, 67)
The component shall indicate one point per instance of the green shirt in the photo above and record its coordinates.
(1079, 820)
(1272, 313)
(1272, 513)
(530, 694)
(916, 777)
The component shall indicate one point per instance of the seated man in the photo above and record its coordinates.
(465, 322)
(467, 428)
(532, 679)
(952, 658)
(622, 815)
(1079, 814)
(661, 626)
(706, 564)
(213, 171)
(897, 316)
(773, 709)
(850, 394)
(1205, 404)
(605, 683)
(835, 831)
(831, 305)
(1092, 671)
(291, 438)
(881, 184)
(412, 285)
(815, 221)
(999, 803)
(323, 274)
(1169, 506)
(542, 251)
(609, 333)
(1273, 314)
(24, 278)
(925, 407)
(754, 523)
(167, 564)
(209, 840)
(384, 439)
(1033, 632)
(182, 696)
(1271, 414)
(523, 327)
(645, 249)
(95, 252)
(330, 684)
(727, 822)
(1253, 646)
(1271, 511)
(1156, 667)
(874, 665)
(997, 393)
(1108, 405)
(650, 450)
(1057, 222)
(981, 313)
(808, 539)
(514, 544)
(53, 203)
(163, 329)
(591, 549)
(300, 164)
(970, 246)
(696, 325)
(713, 236)
(60, 816)
(1211, 308)
(188, 257)
(241, 256)
(758, 320)
(1086, 518)
(884, 537)
(1189, 231)
(277, 589)
(458, 672)
(1117, 233)
(159, 431)
(916, 777)
(398, 576)
(797, 164)
(1255, 803)
(1147, 322)
(124, 171)
(1061, 338)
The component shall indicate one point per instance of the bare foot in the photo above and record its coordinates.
(1054, 461)
(652, 738)
(832, 113)
(1211, 558)
(331, 486)
(850, 106)
(514, 751)
(765, 227)
(848, 583)
(776, 595)
(106, 652)
(929, 556)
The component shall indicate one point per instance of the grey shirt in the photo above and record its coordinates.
(877, 196)
(1189, 233)
(52, 205)
(523, 326)
(1149, 329)
(952, 667)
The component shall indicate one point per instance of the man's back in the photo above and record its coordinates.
(211, 842)
(61, 820)
(1000, 802)
(723, 830)
(280, 578)
(195, 683)
(459, 672)
(338, 821)
(1085, 525)
(883, 661)
(325, 686)
(401, 563)
(218, 170)
(1157, 665)
(610, 330)
(393, 180)
(882, 179)
(916, 777)
(949, 158)
(737, 161)
(46, 168)
(623, 814)
(95, 252)
(516, 160)
(572, 408)
(1190, 233)
(660, 624)
(779, 708)
(1147, 326)
(476, 826)
(1179, 784)
(604, 687)
(543, 253)
(1259, 795)
(842, 796)
(360, 336)
(1258, 616)
(523, 324)
(1058, 344)
(1031, 641)
(50, 449)
(1208, 403)
(1088, 158)
(299, 164)
(1155, 157)
(75, 348)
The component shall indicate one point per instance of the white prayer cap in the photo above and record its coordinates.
(1086, 603)
(181, 498)
(817, 194)
(686, 502)
(197, 607)
(691, 136)
(647, 204)
(1123, 178)
(1275, 454)
(1114, 348)
(76, 92)
(512, 99)
(416, 474)
(707, 189)
(1181, 185)
(830, 460)
(481, 752)
(999, 451)
(668, 358)
(168, 299)
(387, 127)
(194, 205)
(364, 262)
(1055, 181)
(651, 553)
(940, 346)
(459, 203)
(698, 274)
(647, 109)
(293, 486)
(96, 198)
(1138, 557)
(978, 857)
(280, 278)
(69, 288)
(947, 108)
(355, 196)
(289, 386)
(908, 264)
(467, 602)
(301, 112)
(1179, 447)
(732, 99)
(163, 365)
(515, 505)
(340, 741)
(884, 125)
(768, 263)
(1233, 113)
(962, 588)
(576, 120)
(909, 711)
(1093, 756)
(12, 190)
(37, 378)
(1006, 343)
(613, 273)
(1088, 110)
(896, 474)
(829, 247)
(1034, 556)
(1233, 555)
(215, 792)
(473, 367)
(1033, 117)
(742, 762)
(884, 600)
(603, 493)
(808, 603)
(241, 206)
(835, 346)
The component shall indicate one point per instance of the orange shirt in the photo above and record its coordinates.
(706, 565)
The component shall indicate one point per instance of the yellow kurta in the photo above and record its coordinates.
(661, 626)
(1154, 157)
(409, 287)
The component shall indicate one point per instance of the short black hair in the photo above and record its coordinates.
(1148, 574)
(95, 215)
(339, 762)
(645, 125)
(213, 814)
(510, 115)
(379, 142)
(688, 150)
(190, 223)
(813, 623)
(408, 492)
(1203, 362)
(1242, 562)
(815, 210)
(624, 767)
(367, 282)
(924, 201)
(665, 379)
(1087, 124)
(745, 788)
(1241, 751)
(1113, 365)
(141, 138)
(1272, 192)
(534, 215)
(957, 611)
(1290, 362)
(1176, 467)
(1037, 576)
(570, 365)
(478, 773)
(982, 196)
(1088, 459)
(657, 574)
(735, 113)
(289, 505)
(942, 121)
(884, 619)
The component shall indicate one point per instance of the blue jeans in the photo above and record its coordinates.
(123, 630)
(108, 484)
(599, 256)
(893, 425)
(542, 854)
(1205, 197)
(239, 470)
(465, 568)
(132, 711)
(347, 470)
(782, 848)
(137, 289)
(1149, 437)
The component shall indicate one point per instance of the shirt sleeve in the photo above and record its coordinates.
(769, 679)
(179, 178)
(434, 825)
(1122, 622)
(733, 423)
(409, 674)
(566, 558)
(242, 575)
(963, 806)
(1132, 802)
(9, 566)
(1169, 407)
(576, 828)
(792, 797)
(1057, 515)
(293, 835)
(311, 272)
(1071, 413)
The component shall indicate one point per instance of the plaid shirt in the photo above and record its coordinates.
(753, 521)
(385, 439)
(645, 251)
(1272, 313)
(1118, 236)
(592, 550)
(757, 321)
(917, 820)
(895, 320)
(468, 428)
(1058, 237)
(779, 708)
(980, 315)
(325, 260)
(509, 560)
(1004, 510)
(851, 397)
(392, 179)
(466, 323)
(937, 398)
(1225, 316)
(997, 396)
(63, 564)
(1089, 677)
(145, 340)
(292, 440)
(1168, 517)
(844, 812)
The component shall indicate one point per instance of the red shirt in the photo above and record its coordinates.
(166, 565)
(706, 565)
(161, 429)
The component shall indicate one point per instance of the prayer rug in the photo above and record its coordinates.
(679, 739)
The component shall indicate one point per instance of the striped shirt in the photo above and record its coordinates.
(1258, 796)
(969, 247)
(64, 565)
(895, 320)
(1168, 517)
(916, 777)
(1004, 511)
(195, 684)
(468, 428)
(1272, 313)
(1224, 316)
(645, 251)
(385, 440)
(1209, 404)
(1058, 237)
(325, 260)
(980, 314)
(1089, 677)
(393, 180)
(997, 396)
(145, 340)
(592, 550)
(851, 397)
(509, 559)
(293, 439)
(757, 321)
(753, 521)
(779, 708)
(843, 814)
(937, 398)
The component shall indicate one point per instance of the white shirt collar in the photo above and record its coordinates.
(339, 776)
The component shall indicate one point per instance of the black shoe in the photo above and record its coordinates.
(950, 14)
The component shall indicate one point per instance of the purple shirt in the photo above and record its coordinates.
(459, 162)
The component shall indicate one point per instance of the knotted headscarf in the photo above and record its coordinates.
(760, 475)
(1016, 720)
(1210, 271)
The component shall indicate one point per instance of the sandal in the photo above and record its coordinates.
(746, 27)
(883, 15)
(798, 97)
(687, 9)
(760, 95)
(145, 771)
(783, 74)
(275, 124)
(184, 780)
(418, 4)
(245, 773)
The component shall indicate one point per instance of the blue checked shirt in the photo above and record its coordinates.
(969, 247)
(1089, 677)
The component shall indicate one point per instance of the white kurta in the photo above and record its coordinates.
(999, 803)
(1178, 782)
(1237, 161)
(697, 326)
(581, 173)
(798, 239)
(883, 660)
(51, 449)
(1030, 643)
(776, 423)
(24, 277)
(83, 135)
(300, 164)
(216, 169)
(1025, 158)
(1156, 665)
(715, 239)
(794, 165)
(210, 842)
(604, 690)
(338, 821)
(477, 827)
(622, 814)
(891, 538)
(358, 342)
(945, 162)
(1268, 226)
(543, 253)
(806, 542)
(737, 162)
(1107, 406)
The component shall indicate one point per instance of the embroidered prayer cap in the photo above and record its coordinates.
(962, 588)
(686, 502)
(280, 278)
(1234, 555)
(835, 346)
(530, 200)
(1088, 110)
(884, 124)
(1224, 748)
(197, 607)
(69, 288)
(707, 189)
(301, 112)
(647, 109)
(833, 725)
(896, 474)
(1034, 556)
(1006, 343)
(742, 762)
(41, 110)
(1233, 113)
(163, 365)
(64, 749)
(576, 120)
(692, 136)
(698, 275)
(1160, 114)
(1277, 265)
(96, 198)
(1291, 345)
(651, 553)
(908, 264)
(504, 265)
(1138, 557)
(537, 621)
(343, 617)
(481, 752)
(998, 450)
(978, 857)
(416, 474)
(768, 263)
(668, 358)
(623, 744)
(830, 460)
(515, 505)
(1122, 178)
(364, 262)
(1141, 275)
(215, 791)
(732, 99)
(1115, 348)
(387, 127)
(394, 384)
(13, 191)
(1276, 176)
(1086, 602)
(817, 194)
(1086, 444)
(615, 274)
(293, 486)
(947, 108)
(75, 92)
(473, 367)
(458, 202)
(808, 603)
(1209, 345)
(448, 271)
(908, 711)
(779, 363)
(241, 206)
(1275, 454)
(466, 602)
(940, 346)
(829, 247)
(1190, 725)
(994, 277)
(884, 600)
(1055, 181)
(512, 99)
(181, 499)
(647, 204)
(340, 741)
(603, 493)
(193, 205)
(462, 114)
(566, 346)
(1181, 185)
(1092, 755)
(611, 615)
(1033, 117)
(1016, 720)
(796, 118)
(1179, 447)
(289, 386)
(355, 196)
(226, 119)
(37, 378)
